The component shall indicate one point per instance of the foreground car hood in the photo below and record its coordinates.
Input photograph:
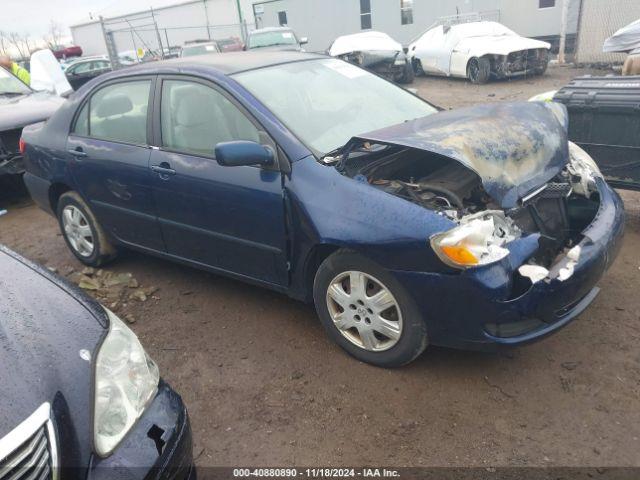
(498, 45)
(42, 330)
(513, 147)
(17, 112)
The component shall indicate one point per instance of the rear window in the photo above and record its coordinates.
(117, 112)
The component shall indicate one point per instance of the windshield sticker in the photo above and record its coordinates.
(287, 35)
(346, 69)
(209, 48)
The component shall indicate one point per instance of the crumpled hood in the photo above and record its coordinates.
(513, 147)
(498, 45)
(17, 112)
(42, 330)
(364, 42)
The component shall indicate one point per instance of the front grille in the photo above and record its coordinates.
(29, 451)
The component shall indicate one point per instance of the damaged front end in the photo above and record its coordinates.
(518, 194)
(391, 65)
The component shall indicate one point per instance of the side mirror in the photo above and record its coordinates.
(241, 152)
(304, 41)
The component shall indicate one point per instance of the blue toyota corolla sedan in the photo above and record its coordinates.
(405, 225)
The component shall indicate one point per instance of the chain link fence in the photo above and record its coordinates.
(599, 19)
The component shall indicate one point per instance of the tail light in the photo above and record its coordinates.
(22, 146)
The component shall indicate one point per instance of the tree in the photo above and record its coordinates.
(4, 44)
(53, 37)
(20, 44)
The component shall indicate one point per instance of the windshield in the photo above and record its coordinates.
(326, 102)
(268, 39)
(10, 85)
(199, 50)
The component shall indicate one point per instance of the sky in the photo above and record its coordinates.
(33, 17)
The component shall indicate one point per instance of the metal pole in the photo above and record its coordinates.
(155, 24)
(563, 31)
(166, 36)
(239, 11)
(206, 16)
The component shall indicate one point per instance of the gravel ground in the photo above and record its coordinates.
(264, 386)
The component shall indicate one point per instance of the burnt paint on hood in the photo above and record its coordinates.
(19, 111)
(513, 147)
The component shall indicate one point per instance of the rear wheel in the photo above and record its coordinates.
(367, 312)
(479, 70)
(82, 232)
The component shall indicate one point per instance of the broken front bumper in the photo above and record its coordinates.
(486, 307)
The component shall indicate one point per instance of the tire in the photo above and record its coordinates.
(543, 68)
(397, 313)
(81, 230)
(408, 74)
(417, 68)
(479, 70)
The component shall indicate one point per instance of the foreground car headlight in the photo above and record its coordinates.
(126, 379)
(478, 240)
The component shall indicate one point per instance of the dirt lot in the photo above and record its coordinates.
(264, 386)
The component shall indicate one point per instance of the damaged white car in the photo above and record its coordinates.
(375, 51)
(478, 51)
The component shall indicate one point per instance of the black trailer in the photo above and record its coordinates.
(604, 119)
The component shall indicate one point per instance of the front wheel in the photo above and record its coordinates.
(82, 232)
(408, 74)
(367, 312)
(479, 70)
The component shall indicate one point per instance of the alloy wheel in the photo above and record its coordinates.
(78, 231)
(364, 311)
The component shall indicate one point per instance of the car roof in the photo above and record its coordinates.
(225, 63)
(271, 29)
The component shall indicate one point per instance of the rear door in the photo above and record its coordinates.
(229, 218)
(109, 160)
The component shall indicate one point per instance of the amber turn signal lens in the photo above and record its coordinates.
(459, 254)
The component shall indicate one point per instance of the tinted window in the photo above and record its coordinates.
(547, 3)
(118, 113)
(81, 67)
(365, 14)
(195, 118)
(282, 18)
(406, 12)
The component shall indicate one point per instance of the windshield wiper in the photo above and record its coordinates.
(12, 94)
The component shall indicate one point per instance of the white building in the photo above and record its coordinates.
(177, 24)
(324, 20)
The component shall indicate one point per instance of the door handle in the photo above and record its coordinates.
(163, 170)
(77, 153)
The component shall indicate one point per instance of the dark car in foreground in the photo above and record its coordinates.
(19, 106)
(406, 226)
(81, 71)
(80, 397)
(274, 38)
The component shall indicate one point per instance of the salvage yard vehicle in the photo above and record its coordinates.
(19, 106)
(200, 48)
(275, 38)
(202, 161)
(80, 396)
(81, 71)
(478, 51)
(375, 51)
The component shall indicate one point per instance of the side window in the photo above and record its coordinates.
(82, 67)
(82, 122)
(118, 113)
(195, 118)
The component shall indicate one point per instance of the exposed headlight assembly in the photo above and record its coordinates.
(126, 380)
(480, 239)
(583, 170)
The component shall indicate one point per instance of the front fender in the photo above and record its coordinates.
(327, 208)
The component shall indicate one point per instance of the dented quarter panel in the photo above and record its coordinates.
(513, 147)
